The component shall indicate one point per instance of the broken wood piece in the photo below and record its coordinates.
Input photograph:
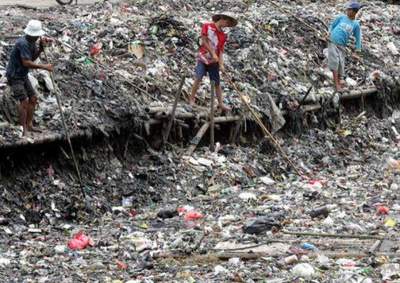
(4, 124)
(375, 247)
(172, 115)
(195, 141)
(310, 108)
(358, 94)
(47, 138)
(342, 236)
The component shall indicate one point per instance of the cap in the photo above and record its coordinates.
(353, 5)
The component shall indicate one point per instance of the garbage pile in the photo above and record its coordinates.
(113, 59)
(238, 214)
(224, 216)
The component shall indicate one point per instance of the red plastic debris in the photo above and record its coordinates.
(184, 209)
(181, 210)
(193, 215)
(133, 212)
(80, 241)
(121, 265)
(382, 210)
(95, 49)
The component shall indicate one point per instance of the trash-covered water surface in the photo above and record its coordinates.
(238, 214)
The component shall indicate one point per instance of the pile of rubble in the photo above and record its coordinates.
(233, 215)
(238, 214)
(112, 60)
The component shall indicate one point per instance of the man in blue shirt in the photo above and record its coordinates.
(22, 58)
(341, 29)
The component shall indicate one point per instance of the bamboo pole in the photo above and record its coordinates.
(53, 137)
(358, 94)
(261, 124)
(341, 236)
(172, 118)
(66, 132)
(212, 123)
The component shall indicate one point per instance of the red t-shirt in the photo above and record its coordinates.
(217, 41)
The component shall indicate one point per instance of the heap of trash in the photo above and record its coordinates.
(111, 60)
(232, 215)
(321, 207)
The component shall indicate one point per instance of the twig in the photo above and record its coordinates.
(264, 243)
(341, 236)
(305, 97)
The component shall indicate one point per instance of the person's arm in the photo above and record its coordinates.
(358, 36)
(37, 52)
(28, 59)
(335, 23)
(221, 62)
(206, 42)
(32, 65)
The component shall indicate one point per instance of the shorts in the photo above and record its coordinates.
(21, 88)
(336, 58)
(212, 70)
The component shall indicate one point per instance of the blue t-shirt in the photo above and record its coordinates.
(342, 28)
(23, 49)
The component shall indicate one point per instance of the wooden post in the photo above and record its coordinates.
(172, 115)
(212, 144)
(195, 141)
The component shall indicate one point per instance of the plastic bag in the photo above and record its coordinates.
(80, 241)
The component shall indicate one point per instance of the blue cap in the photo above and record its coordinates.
(353, 5)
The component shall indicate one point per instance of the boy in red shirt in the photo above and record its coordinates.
(210, 57)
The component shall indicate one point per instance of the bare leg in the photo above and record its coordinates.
(31, 111)
(218, 91)
(23, 114)
(336, 79)
(195, 88)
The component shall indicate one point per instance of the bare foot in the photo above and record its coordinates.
(339, 88)
(192, 102)
(224, 108)
(34, 129)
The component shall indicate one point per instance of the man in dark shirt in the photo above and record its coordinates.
(22, 58)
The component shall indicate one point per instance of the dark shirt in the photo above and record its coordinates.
(23, 49)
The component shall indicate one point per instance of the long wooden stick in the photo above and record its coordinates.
(261, 124)
(172, 118)
(341, 236)
(212, 124)
(255, 255)
(59, 103)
